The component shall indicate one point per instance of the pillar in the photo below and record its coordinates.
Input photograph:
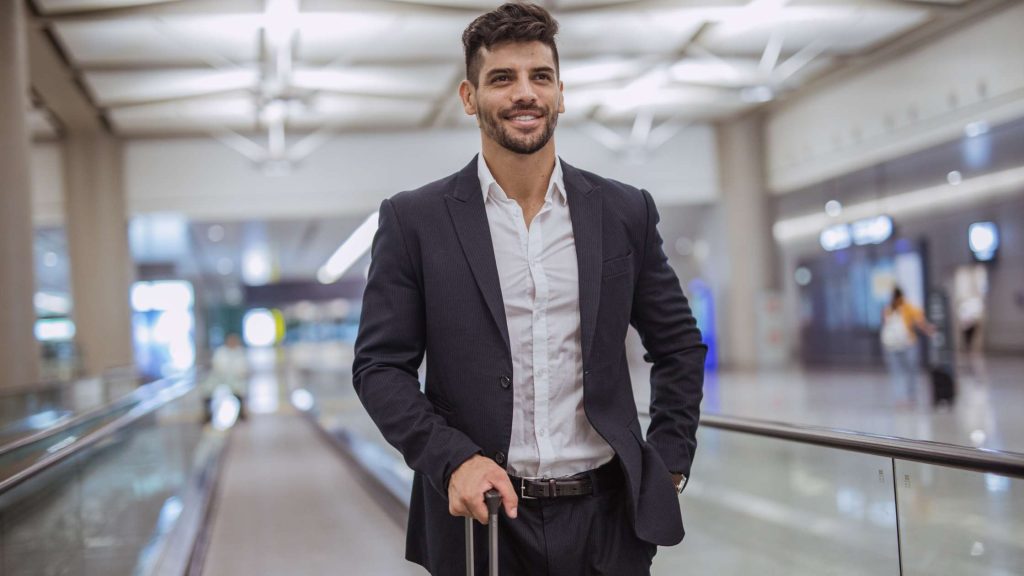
(749, 272)
(19, 352)
(101, 265)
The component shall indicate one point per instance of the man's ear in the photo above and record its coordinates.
(561, 97)
(467, 93)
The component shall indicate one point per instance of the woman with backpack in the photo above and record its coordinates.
(901, 321)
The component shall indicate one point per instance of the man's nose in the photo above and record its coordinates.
(523, 92)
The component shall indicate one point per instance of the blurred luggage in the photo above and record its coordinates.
(943, 386)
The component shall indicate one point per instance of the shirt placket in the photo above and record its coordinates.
(540, 332)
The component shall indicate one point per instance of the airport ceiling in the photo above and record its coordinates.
(272, 69)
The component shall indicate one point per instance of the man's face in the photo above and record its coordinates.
(518, 96)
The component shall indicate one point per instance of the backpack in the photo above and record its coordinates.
(895, 334)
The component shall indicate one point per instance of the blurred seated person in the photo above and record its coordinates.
(229, 374)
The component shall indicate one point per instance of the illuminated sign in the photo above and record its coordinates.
(860, 232)
(983, 238)
(835, 237)
(871, 230)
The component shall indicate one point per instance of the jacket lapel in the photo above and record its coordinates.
(585, 213)
(466, 207)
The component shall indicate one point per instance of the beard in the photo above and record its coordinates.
(491, 123)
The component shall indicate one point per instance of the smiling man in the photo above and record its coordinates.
(517, 278)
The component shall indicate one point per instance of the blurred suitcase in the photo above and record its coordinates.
(943, 386)
(493, 501)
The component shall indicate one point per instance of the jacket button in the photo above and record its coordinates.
(505, 381)
(499, 457)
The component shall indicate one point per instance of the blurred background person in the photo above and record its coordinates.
(900, 322)
(229, 374)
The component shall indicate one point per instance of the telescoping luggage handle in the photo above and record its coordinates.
(493, 500)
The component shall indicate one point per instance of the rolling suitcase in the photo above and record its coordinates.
(943, 387)
(493, 501)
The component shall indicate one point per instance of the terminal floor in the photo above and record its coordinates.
(289, 505)
(990, 400)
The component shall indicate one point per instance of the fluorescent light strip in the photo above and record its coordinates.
(349, 252)
(928, 199)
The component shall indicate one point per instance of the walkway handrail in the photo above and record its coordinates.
(950, 455)
(98, 412)
(174, 388)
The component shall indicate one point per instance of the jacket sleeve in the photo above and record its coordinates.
(661, 314)
(389, 349)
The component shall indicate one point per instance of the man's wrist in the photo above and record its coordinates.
(679, 480)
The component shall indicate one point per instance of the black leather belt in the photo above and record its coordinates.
(607, 477)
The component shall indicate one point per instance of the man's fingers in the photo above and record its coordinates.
(509, 498)
(478, 509)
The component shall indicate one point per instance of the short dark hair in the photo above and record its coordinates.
(510, 22)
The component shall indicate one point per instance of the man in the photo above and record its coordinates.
(230, 372)
(518, 277)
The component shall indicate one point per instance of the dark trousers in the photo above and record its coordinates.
(578, 536)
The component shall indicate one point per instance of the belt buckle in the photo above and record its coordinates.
(522, 486)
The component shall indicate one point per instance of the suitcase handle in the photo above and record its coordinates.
(493, 501)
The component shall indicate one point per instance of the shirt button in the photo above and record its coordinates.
(505, 381)
(499, 457)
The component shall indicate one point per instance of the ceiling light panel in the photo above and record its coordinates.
(215, 40)
(399, 81)
(233, 111)
(575, 73)
(732, 72)
(615, 32)
(353, 37)
(846, 29)
(353, 111)
(57, 6)
(113, 88)
(683, 101)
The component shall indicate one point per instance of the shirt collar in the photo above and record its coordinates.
(489, 186)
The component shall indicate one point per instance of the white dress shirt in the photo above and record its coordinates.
(551, 435)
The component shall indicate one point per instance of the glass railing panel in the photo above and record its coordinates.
(959, 523)
(105, 509)
(771, 507)
(27, 411)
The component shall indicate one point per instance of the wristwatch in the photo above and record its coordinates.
(682, 484)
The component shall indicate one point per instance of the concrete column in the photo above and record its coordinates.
(19, 353)
(750, 248)
(101, 265)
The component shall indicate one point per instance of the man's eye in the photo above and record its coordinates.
(543, 76)
(499, 78)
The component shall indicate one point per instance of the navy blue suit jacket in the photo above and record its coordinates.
(433, 290)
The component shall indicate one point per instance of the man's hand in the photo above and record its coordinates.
(468, 483)
(677, 480)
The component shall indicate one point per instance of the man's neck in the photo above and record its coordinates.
(523, 177)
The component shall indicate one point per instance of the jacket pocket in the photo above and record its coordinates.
(617, 266)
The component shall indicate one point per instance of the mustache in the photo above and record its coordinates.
(524, 109)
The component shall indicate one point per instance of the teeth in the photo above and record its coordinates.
(523, 117)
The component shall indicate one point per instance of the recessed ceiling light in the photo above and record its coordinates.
(215, 233)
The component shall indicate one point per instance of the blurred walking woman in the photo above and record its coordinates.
(901, 321)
